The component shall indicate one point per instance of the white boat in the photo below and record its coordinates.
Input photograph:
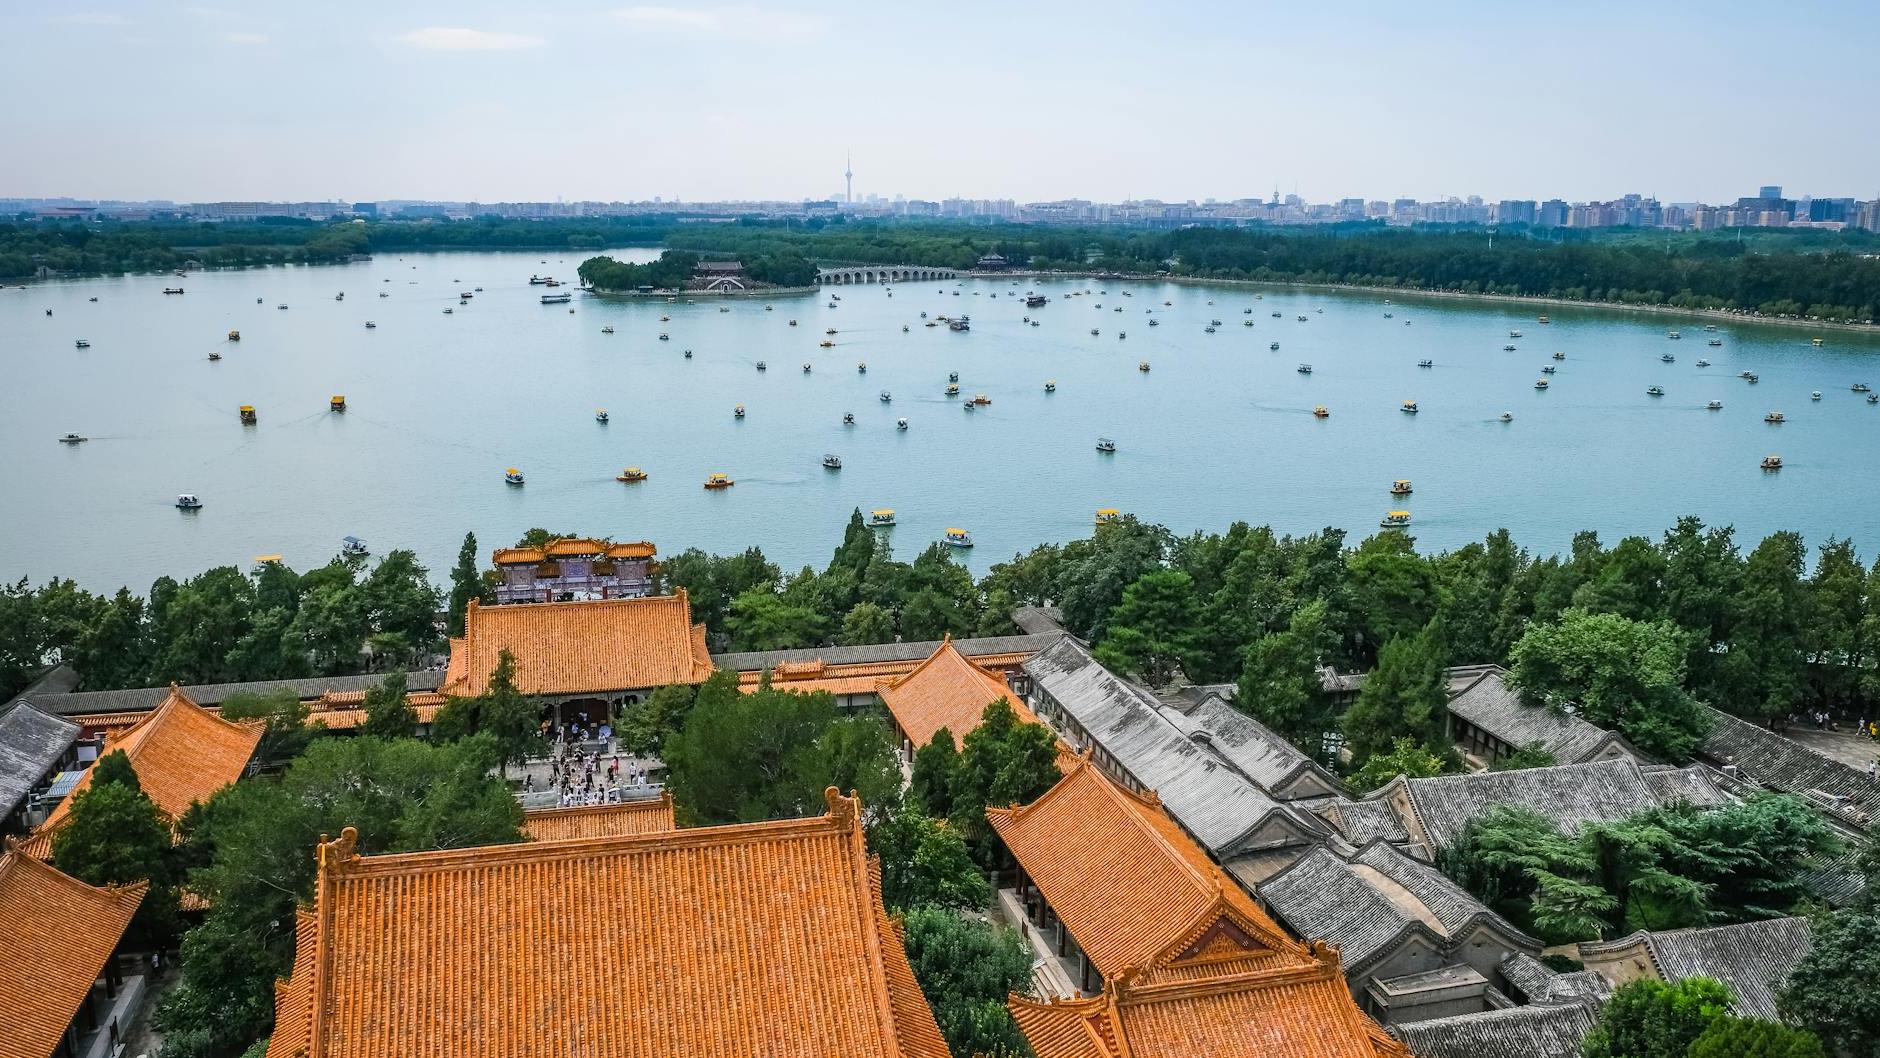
(832, 462)
(886, 396)
(188, 502)
(1104, 444)
(1715, 405)
(900, 424)
(557, 299)
(82, 344)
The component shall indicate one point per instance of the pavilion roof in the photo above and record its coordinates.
(946, 691)
(181, 753)
(648, 816)
(583, 647)
(1135, 891)
(56, 934)
(752, 939)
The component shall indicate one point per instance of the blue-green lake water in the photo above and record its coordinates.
(1221, 428)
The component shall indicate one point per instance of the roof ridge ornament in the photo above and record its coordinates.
(842, 810)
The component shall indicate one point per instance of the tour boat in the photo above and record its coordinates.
(738, 412)
(1104, 444)
(1093, 330)
(1142, 365)
(1507, 348)
(793, 322)
(1274, 347)
(1507, 416)
(848, 418)
(1655, 391)
(72, 439)
(953, 390)
(981, 399)
(1775, 417)
(1304, 369)
(688, 354)
(1032, 301)
(1395, 519)
(861, 367)
(825, 344)
(370, 326)
(448, 311)
(1426, 363)
(900, 424)
(536, 281)
(1559, 355)
(600, 416)
(1246, 323)
(1860, 387)
(609, 329)
(1816, 342)
(248, 415)
(166, 290)
(762, 366)
(1410, 406)
(337, 402)
(214, 357)
(1540, 383)
(82, 344)
(1716, 341)
(282, 305)
(1321, 412)
(1400, 487)
(1514, 334)
(1390, 315)
(1715, 405)
(969, 405)
(1772, 463)
(953, 376)
(1543, 319)
(1050, 386)
(806, 367)
(665, 319)
(662, 337)
(886, 396)
(1752, 377)
(1673, 335)
(631, 474)
(1302, 319)
(831, 330)
(718, 481)
(353, 547)
(383, 294)
(959, 538)
(1214, 323)
(832, 462)
(1125, 334)
(961, 323)
(1814, 395)
(881, 518)
(1873, 398)
(1108, 515)
(557, 299)
(1548, 369)
(1667, 358)
(1209, 330)
(187, 502)
(1153, 322)
(1278, 315)
(512, 476)
(1710, 326)
(1703, 363)
(903, 328)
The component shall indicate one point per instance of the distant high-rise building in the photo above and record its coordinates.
(1515, 211)
(1552, 213)
(848, 178)
(1769, 191)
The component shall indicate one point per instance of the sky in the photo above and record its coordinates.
(470, 100)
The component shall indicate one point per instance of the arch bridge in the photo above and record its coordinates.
(882, 274)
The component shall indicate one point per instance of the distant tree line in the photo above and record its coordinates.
(674, 268)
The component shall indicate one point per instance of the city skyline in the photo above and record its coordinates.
(624, 103)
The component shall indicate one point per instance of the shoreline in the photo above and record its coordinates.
(1516, 299)
(768, 292)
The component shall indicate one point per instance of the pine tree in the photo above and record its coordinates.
(388, 712)
(115, 835)
(1404, 697)
(466, 583)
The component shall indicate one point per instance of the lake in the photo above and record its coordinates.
(1220, 428)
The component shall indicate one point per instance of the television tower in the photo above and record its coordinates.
(848, 178)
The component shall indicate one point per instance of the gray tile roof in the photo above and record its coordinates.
(31, 742)
(757, 660)
(143, 699)
(1554, 1031)
(1212, 800)
(1691, 785)
(1571, 795)
(1038, 620)
(1322, 898)
(1537, 983)
(1250, 746)
(1491, 704)
(1362, 822)
(1753, 958)
(1452, 905)
(1783, 764)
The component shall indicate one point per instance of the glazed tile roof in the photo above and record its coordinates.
(649, 816)
(181, 752)
(636, 549)
(1301, 1010)
(589, 646)
(426, 706)
(1550, 1031)
(875, 653)
(1491, 704)
(31, 742)
(1753, 958)
(574, 546)
(761, 939)
(518, 556)
(1572, 795)
(1783, 764)
(1218, 804)
(56, 934)
(1135, 891)
(946, 691)
(144, 699)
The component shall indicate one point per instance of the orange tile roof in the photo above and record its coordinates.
(574, 545)
(1298, 1011)
(56, 934)
(181, 752)
(518, 556)
(946, 690)
(348, 719)
(650, 816)
(589, 646)
(1178, 916)
(637, 549)
(752, 939)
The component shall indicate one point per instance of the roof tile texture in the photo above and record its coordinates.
(56, 934)
(589, 646)
(946, 691)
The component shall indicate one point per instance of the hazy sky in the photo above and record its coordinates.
(1173, 100)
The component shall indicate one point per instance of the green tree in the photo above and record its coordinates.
(1761, 674)
(1732, 1037)
(511, 721)
(1830, 990)
(762, 620)
(866, 623)
(1837, 605)
(400, 601)
(1003, 761)
(966, 969)
(925, 863)
(115, 835)
(286, 734)
(935, 775)
(1620, 674)
(195, 625)
(1280, 685)
(115, 650)
(646, 725)
(1406, 757)
(1532, 755)
(1091, 575)
(388, 711)
(331, 625)
(1393, 589)
(1406, 696)
(466, 583)
(1155, 630)
(1652, 1019)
